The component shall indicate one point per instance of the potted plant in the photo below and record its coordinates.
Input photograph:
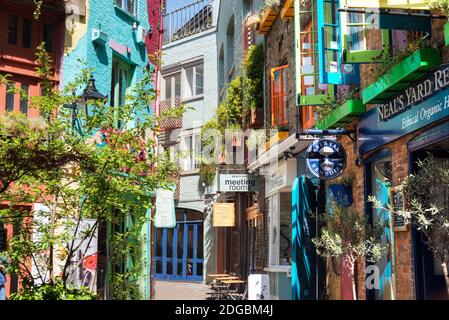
(347, 236)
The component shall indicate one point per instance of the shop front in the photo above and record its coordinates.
(278, 188)
(409, 126)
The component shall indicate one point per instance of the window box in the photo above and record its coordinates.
(267, 19)
(342, 115)
(288, 10)
(99, 37)
(400, 76)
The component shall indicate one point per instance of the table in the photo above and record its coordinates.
(227, 278)
(218, 275)
(233, 281)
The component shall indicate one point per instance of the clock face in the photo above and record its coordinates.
(326, 159)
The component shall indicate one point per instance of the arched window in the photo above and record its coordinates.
(230, 44)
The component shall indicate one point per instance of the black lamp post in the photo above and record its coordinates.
(89, 93)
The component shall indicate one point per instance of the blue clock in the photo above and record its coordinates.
(326, 159)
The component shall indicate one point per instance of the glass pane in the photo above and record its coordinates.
(190, 242)
(330, 38)
(167, 81)
(356, 38)
(24, 99)
(131, 6)
(180, 242)
(331, 61)
(48, 37)
(169, 243)
(26, 36)
(158, 266)
(10, 98)
(199, 79)
(188, 89)
(158, 240)
(197, 150)
(381, 175)
(169, 267)
(330, 12)
(178, 85)
(12, 30)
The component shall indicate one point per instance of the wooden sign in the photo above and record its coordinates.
(223, 215)
(398, 204)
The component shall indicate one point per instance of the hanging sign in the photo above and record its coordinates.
(223, 215)
(326, 159)
(165, 216)
(238, 183)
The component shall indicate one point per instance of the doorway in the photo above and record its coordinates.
(179, 251)
(429, 278)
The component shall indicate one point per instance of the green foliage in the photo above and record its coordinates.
(253, 78)
(273, 4)
(91, 171)
(440, 5)
(348, 235)
(57, 291)
(326, 109)
(230, 111)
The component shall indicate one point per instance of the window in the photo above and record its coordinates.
(279, 96)
(379, 179)
(26, 34)
(48, 36)
(280, 223)
(172, 84)
(120, 83)
(10, 98)
(194, 81)
(12, 30)
(129, 6)
(185, 83)
(191, 151)
(24, 98)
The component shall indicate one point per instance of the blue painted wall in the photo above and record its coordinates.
(118, 25)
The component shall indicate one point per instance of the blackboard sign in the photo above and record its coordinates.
(2, 239)
(397, 200)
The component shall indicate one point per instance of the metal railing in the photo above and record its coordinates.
(191, 19)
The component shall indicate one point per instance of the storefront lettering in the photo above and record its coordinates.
(413, 95)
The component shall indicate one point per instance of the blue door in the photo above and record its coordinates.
(179, 251)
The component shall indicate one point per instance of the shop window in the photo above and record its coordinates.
(26, 34)
(279, 96)
(12, 29)
(129, 6)
(280, 248)
(379, 179)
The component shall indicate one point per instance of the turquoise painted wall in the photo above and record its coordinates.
(117, 24)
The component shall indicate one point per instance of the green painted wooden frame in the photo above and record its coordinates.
(446, 34)
(318, 99)
(342, 116)
(365, 56)
(400, 76)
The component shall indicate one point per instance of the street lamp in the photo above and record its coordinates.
(90, 93)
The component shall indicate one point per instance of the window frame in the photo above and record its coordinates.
(278, 117)
(190, 161)
(116, 87)
(331, 19)
(123, 6)
(182, 70)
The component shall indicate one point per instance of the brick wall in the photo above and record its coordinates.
(279, 48)
(400, 167)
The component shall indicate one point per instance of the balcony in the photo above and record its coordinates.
(288, 9)
(193, 18)
(400, 76)
(342, 116)
(266, 21)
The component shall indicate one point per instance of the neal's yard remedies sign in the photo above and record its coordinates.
(419, 105)
(238, 183)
